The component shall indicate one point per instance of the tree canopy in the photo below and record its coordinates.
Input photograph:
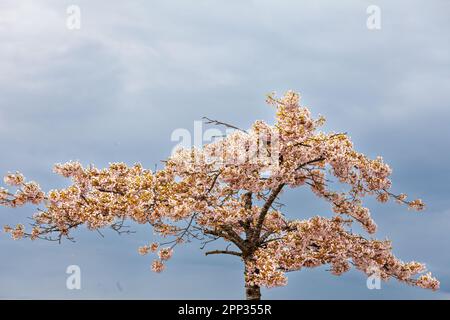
(229, 190)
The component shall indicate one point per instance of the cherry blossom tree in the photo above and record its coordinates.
(229, 190)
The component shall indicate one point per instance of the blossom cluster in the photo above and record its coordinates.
(28, 192)
(319, 241)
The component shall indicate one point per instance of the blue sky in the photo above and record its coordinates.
(116, 89)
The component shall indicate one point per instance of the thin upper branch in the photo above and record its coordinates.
(310, 162)
(216, 122)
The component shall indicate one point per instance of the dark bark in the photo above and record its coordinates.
(264, 210)
(252, 292)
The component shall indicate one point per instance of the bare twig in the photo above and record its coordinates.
(216, 122)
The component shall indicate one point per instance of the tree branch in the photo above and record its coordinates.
(234, 253)
(265, 210)
(310, 162)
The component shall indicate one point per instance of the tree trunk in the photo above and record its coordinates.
(252, 292)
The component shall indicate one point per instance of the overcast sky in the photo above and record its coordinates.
(117, 88)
